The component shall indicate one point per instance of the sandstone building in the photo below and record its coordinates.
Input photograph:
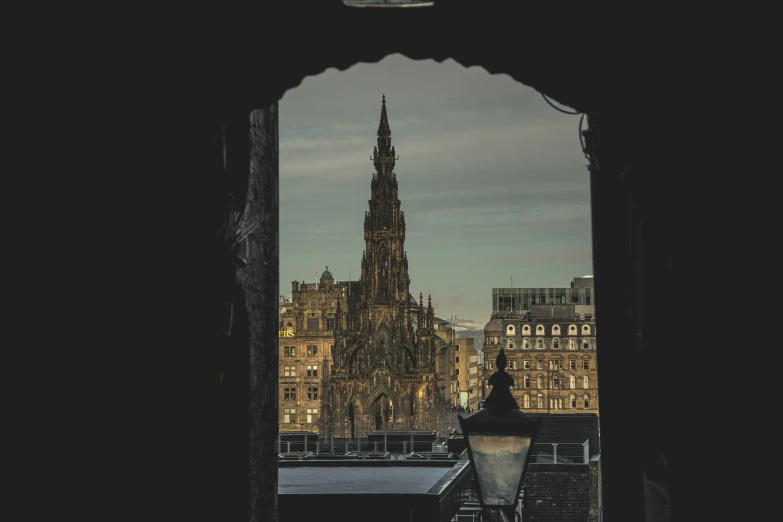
(551, 348)
(351, 360)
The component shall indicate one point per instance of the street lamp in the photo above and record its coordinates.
(499, 438)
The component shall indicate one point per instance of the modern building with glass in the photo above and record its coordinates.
(507, 302)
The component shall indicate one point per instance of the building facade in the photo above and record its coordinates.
(354, 362)
(551, 351)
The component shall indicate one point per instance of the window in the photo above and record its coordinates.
(289, 415)
(312, 350)
(572, 364)
(456, 348)
(510, 344)
(585, 329)
(526, 401)
(556, 330)
(510, 329)
(540, 383)
(312, 415)
(585, 365)
(540, 401)
(586, 344)
(555, 364)
(312, 371)
(312, 394)
(456, 360)
(573, 401)
(289, 371)
(540, 329)
(289, 394)
(555, 404)
(539, 364)
(527, 381)
(330, 324)
(289, 351)
(556, 344)
(572, 382)
(526, 329)
(572, 329)
(540, 344)
(571, 344)
(457, 371)
(312, 324)
(556, 382)
(289, 326)
(489, 365)
(586, 382)
(587, 401)
(526, 364)
(512, 364)
(526, 344)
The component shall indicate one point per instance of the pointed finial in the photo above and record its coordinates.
(501, 361)
(429, 300)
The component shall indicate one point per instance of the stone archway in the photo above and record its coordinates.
(382, 412)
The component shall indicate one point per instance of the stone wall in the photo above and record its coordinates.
(556, 492)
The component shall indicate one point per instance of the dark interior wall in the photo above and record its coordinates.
(159, 86)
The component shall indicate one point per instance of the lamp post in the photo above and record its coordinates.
(499, 438)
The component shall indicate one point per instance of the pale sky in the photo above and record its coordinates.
(492, 180)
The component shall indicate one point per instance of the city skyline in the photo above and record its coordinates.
(492, 180)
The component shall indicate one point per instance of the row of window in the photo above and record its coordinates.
(290, 370)
(572, 329)
(311, 351)
(554, 364)
(289, 415)
(555, 383)
(555, 403)
(540, 344)
(289, 393)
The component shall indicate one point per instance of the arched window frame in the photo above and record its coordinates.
(572, 329)
(571, 344)
(586, 382)
(572, 382)
(526, 401)
(510, 330)
(586, 329)
(540, 382)
(539, 344)
(555, 343)
(526, 329)
(573, 400)
(586, 399)
(556, 330)
(526, 344)
(540, 329)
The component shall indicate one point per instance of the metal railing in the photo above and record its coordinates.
(573, 454)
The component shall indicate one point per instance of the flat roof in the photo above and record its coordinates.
(418, 490)
(358, 481)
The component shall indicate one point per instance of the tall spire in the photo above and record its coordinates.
(383, 152)
(383, 126)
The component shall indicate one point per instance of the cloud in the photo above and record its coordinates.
(492, 180)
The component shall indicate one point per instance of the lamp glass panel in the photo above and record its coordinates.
(499, 461)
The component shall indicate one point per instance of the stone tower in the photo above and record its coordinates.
(384, 374)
